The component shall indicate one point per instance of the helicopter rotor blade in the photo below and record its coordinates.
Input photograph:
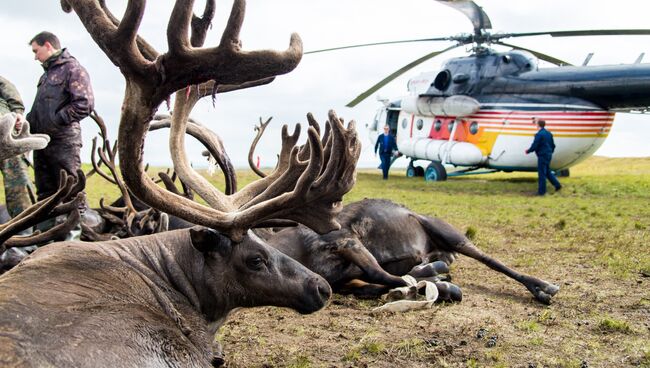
(451, 38)
(586, 32)
(475, 13)
(549, 58)
(396, 74)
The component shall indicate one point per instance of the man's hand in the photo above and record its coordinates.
(526, 151)
(18, 124)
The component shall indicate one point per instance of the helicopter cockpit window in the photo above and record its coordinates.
(524, 60)
(473, 127)
(450, 125)
(404, 123)
(437, 125)
(419, 124)
(375, 122)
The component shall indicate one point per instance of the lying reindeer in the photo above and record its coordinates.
(380, 241)
(144, 301)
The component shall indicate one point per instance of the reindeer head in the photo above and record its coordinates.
(274, 278)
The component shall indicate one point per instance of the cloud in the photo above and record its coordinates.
(323, 81)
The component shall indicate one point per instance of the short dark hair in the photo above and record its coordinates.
(541, 123)
(46, 36)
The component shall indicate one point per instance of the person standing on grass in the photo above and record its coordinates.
(385, 145)
(63, 98)
(543, 146)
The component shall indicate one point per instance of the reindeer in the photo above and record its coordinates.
(157, 300)
(379, 241)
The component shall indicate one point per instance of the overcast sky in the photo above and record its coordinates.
(327, 81)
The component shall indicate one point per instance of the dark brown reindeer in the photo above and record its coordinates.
(157, 300)
(380, 240)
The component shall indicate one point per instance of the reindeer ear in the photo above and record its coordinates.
(208, 240)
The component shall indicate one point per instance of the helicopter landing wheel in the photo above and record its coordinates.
(435, 172)
(414, 171)
(410, 172)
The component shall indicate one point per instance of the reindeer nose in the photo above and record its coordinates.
(322, 287)
(324, 290)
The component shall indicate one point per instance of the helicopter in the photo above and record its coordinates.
(477, 113)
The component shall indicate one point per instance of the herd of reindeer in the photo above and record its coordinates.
(159, 272)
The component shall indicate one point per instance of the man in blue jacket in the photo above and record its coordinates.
(543, 146)
(385, 145)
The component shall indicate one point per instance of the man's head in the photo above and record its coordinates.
(44, 45)
(386, 129)
(540, 123)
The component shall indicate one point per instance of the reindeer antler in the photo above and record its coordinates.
(14, 145)
(307, 191)
(211, 141)
(107, 156)
(260, 131)
(65, 200)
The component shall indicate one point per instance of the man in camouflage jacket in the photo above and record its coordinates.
(14, 170)
(64, 97)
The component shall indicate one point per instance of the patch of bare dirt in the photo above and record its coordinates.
(498, 324)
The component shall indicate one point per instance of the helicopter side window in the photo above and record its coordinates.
(473, 127)
(419, 124)
(404, 123)
(450, 125)
(437, 125)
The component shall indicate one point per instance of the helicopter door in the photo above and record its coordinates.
(391, 120)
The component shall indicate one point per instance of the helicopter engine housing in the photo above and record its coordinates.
(458, 105)
(453, 152)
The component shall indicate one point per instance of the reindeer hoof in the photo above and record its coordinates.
(449, 292)
(544, 292)
(429, 270)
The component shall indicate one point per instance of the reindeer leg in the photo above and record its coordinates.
(362, 289)
(451, 240)
(354, 252)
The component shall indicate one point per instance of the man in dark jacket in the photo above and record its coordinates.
(385, 145)
(543, 146)
(64, 97)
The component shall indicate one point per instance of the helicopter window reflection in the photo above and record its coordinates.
(419, 124)
(473, 127)
(450, 125)
(404, 123)
(437, 125)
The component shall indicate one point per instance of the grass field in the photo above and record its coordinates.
(592, 239)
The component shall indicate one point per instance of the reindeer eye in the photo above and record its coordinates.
(255, 263)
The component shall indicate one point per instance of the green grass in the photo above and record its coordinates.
(609, 324)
